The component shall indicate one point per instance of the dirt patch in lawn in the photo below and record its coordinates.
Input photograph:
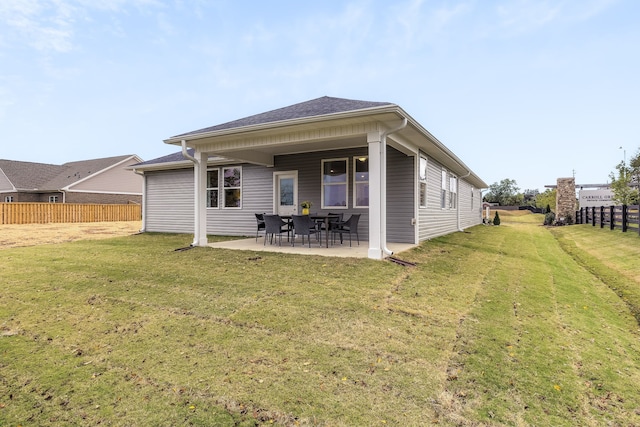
(13, 235)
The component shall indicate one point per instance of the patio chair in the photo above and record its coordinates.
(260, 224)
(303, 226)
(349, 227)
(274, 225)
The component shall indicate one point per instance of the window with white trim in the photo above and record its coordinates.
(361, 182)
(213, 187)
(8, 199)
(335, 177)
(53, 199)
(453, 192)
(422, 177)
(232, 182)
(443, 191)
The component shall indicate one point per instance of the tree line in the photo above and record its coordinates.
(625, 184)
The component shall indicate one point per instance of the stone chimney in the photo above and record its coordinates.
(566, 200)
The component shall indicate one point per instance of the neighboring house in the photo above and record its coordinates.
(107, 180)
(342, 155)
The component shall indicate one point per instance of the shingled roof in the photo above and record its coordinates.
(316, 107)
(29, 176)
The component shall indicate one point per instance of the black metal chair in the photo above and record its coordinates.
(349, 227)
(274, 225)
(260, 224)
(303, 226)
(334, 219)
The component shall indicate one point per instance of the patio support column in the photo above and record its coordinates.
(374, 140)
(200, 198)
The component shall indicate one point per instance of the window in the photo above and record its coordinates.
(232, 179)
(334, 183)
(8, 199)
(453, 192)
(53, 199)
(443, 192)
(360, 182)
(213, 188)
(423, 181)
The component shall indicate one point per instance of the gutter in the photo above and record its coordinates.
(383, 184)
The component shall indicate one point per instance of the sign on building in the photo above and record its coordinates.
(597, 198)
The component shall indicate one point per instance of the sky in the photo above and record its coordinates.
(529, 90)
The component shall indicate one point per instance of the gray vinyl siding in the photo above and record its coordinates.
(470, 207)
(401, 184)
(257, 197)
(169, 204)
(433, 220)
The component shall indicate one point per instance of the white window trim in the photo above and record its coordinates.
(212, 188)
(53, 199)
(224, 189)
(453, 192)
(423, 181)
(346, 184)
(8, 199)
(444, 184)
(355, 182)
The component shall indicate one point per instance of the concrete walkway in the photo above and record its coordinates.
(336, 250)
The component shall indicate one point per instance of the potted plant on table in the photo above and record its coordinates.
(306, 205)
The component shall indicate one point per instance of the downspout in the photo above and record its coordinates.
(144, 199)
(458, 199)
(383, 184)
(186, 155)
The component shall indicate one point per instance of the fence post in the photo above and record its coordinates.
(601, 216)
(624, 218)
(612, 216)
(593, 216)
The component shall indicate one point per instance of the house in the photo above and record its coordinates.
(106, 180)
(342, 155)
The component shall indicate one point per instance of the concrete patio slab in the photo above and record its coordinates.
(337, 250)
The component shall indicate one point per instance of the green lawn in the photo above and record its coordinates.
(511, 325)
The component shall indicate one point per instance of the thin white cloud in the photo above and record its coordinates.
(522, 16)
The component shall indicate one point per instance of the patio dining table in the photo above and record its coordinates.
(317, 217)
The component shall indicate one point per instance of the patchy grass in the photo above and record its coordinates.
(495, 326)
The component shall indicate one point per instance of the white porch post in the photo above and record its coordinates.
(200, 199)
(376, 244)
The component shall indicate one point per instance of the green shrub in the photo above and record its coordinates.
(496, 219)
(549, 218)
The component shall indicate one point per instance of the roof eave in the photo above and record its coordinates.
(177, 140)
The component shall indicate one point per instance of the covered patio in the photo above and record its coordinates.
(343, 250)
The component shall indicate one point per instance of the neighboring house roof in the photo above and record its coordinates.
(42, 177)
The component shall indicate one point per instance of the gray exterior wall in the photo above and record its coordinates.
(170, 199)
(169, 205)
(401, 185)
(434, 220)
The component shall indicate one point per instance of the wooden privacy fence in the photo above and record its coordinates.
(623, 217)
(42, 213)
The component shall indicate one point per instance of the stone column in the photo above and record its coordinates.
(566, 200)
